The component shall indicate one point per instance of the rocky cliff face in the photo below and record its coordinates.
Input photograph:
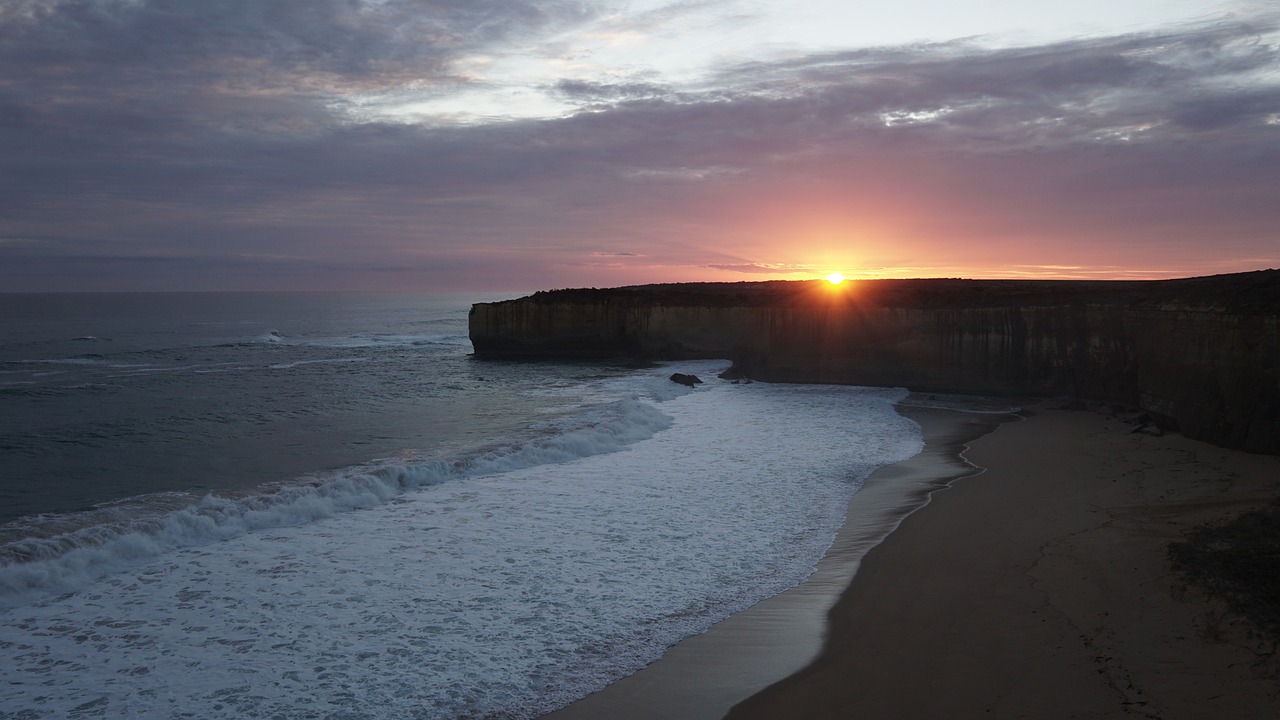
(1202, 354)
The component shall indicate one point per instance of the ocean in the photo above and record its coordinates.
(301, 505)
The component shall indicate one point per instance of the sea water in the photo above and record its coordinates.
(321, 505)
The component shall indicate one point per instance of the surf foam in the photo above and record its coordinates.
(541, 574)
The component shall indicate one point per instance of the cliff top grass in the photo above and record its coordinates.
(1253, 293)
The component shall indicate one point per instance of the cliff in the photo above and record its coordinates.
(1202, 355)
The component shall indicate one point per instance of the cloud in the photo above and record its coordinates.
(600, 95)
(283, 65)
(166, 129)
(761, 268)
(251, 44)
(1058, 93)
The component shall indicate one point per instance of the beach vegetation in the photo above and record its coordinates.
(1238, 562)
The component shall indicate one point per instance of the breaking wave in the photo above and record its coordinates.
(35, 568)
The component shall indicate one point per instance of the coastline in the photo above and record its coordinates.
(704, 676)
(1041, 589)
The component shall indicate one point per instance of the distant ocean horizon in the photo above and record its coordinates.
(237, 505)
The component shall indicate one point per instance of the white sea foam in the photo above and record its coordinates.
(91, 360)
(38, 567)
(539, 574)
(365, 340)
(387, 340)
(134, 370)
(321, 361)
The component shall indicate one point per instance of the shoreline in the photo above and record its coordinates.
(1041, 589)
(704, 676)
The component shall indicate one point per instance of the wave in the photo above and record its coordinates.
(385, 340)
(141, 359)
(32, 569)
(296, 363)
(85, 359)
(364, 340)
(159, 361)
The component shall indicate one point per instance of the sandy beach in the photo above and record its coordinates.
(1040, 588)
(1020, 573)
(704, 676)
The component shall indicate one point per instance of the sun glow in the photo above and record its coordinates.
(835, 278)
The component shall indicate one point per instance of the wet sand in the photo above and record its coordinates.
(704, 676)
(1041, 589)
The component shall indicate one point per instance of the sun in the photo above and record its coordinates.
(835, 278)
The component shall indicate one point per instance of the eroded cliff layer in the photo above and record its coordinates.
(1200, 354)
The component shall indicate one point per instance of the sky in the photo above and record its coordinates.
(477, 145)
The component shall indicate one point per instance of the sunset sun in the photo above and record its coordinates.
(835, 278)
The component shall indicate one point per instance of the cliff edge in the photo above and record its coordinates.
(1202, 355)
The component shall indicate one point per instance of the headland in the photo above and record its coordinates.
(1198, 354)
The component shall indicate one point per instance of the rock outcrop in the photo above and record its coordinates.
(1201, 355)
(685, 379)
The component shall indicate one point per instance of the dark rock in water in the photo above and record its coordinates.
(684, 379)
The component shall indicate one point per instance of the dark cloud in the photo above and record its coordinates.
(1213, 111)
(1058, 93)
(239, 65)
(248, 43)
(600, 94)
(223, 131)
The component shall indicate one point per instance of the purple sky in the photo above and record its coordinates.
(528, 144)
